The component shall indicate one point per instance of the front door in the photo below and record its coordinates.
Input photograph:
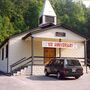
(48, 54)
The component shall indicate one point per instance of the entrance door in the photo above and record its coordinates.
(48, 54)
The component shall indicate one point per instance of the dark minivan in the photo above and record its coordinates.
(64, 68)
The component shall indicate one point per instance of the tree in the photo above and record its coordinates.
(18, 16)
(88, 21)
(71, 13)
(6, 8)
(22, 15)
(6, 28)
(32, 15)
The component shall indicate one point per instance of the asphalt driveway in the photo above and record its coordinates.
(44, 83)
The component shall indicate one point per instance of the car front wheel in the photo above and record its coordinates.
(60, 76)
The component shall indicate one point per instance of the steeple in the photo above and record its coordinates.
(47, 15)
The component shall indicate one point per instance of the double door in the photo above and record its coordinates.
(49, 53)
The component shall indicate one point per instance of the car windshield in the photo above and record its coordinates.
(73, 63)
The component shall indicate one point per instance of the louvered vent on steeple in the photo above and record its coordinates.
(47, 15)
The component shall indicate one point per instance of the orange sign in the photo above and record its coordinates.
(58, 44)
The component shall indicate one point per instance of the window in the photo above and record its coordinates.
(73, 63)
(59, 62)
(49, 19)
(2, 53)
(7, 51)
(41, 19)
(60, 34)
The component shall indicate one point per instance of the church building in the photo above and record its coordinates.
(38, 46)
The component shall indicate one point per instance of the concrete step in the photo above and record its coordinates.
(38, 70)
(23, 72)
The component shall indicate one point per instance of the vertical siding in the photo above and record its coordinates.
(18, 49)
(38, 49)
(3, 63)
(75, 52)
(78, 52)
(52, 34)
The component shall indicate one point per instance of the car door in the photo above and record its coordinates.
(50, 66)
(59, 63)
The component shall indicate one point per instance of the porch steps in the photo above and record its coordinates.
(37, 70)
(23, 72)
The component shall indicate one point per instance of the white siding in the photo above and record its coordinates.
(18, 49)
(70, 36)
(74, 52)
(77, 52)
(64, 52)
(3, 63)
(38, 49)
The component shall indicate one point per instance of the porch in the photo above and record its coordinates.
(57, 42)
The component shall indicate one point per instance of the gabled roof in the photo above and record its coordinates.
(51, 27)
(12, 36)
(37, 30)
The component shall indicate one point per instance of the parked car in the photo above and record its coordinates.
(64, 68)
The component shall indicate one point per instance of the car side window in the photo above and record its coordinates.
(56, 62)
(51, 62)
(59, 62)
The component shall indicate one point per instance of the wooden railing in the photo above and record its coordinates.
(24, 62)
(38, 60)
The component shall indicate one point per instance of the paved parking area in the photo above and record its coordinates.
(44, 83)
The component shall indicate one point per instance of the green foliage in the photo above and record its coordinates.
(32, 14)
(72, 14)
(6, 28)
(20, 15)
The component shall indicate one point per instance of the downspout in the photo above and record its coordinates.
(85, 54)
(32, 53)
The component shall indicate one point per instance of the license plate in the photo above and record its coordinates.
(73, 70)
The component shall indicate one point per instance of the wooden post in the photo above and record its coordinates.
(32, 53)
(60, 49)
(85, 54)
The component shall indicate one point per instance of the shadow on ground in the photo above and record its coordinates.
(44, 78)
(3, 74)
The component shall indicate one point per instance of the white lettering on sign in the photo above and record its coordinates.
(58, 44)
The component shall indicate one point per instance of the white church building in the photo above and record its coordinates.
(36, 47)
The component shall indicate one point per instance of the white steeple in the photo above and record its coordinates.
(48, 14)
